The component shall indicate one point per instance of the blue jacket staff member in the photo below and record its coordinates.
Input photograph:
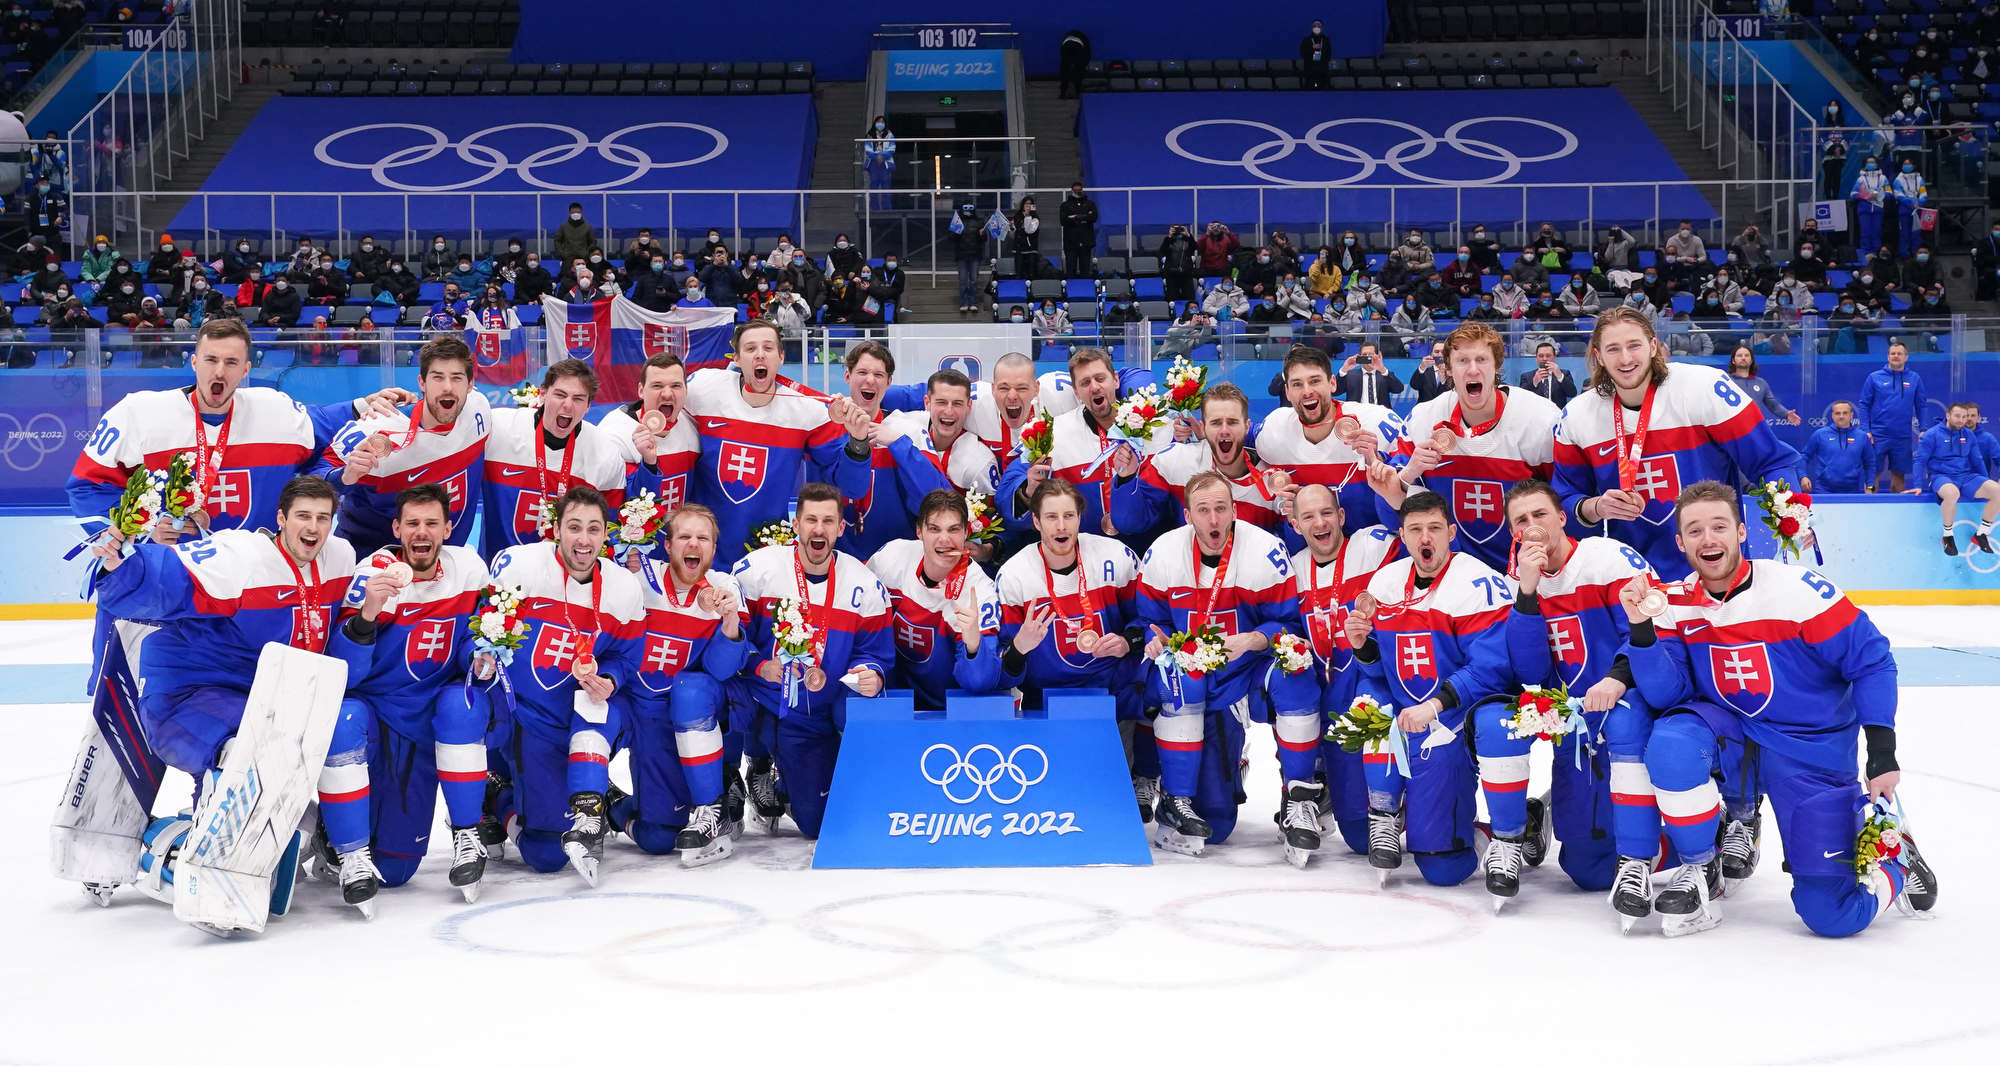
(1839, 456)
(1891, 401)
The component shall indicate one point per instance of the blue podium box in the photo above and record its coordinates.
(981, 784)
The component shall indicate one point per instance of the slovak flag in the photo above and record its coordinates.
(616, 336)
(499, 352)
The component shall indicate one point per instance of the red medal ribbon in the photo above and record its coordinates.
(1411, 597)
(1085, 617)
(1699, 596)
(818, 616)
(308, 595)
(1199, 618)
(542, 462)
(208, 463)
(1632, 449)
(699, 584)
(583, 646)
(1337, 609)
(1457, 419)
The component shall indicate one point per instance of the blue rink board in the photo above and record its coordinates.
(553, 148)
(1524, 136)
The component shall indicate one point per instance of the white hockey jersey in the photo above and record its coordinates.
(679, 450)
(967, 464)
(1474, 476)
(930, 651)
(451, 456)
(515, 485)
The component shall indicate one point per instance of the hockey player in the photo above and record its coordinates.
(658, 445)
(1626, 446)
(1319, 440)
(1431, 646)
(761, 439)
(1080, 437)
(1156, 489)
(1952, 465)
(1469, 444)
(1067, 620)
(1221, 571)
(441, 440)
(947, 614)
(847, 613)
(1840, 456)
(1007, 404)
(403, 624)
(693, 642)
(585, 616)
(915, 454)
(1327, 575)
(1564, 632)
(1773, 660)
(218, 601)
(535, 454)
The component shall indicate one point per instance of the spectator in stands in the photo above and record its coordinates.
(70, 314)
(1865, 285)
(1708, 307)
(1743, 374)
(198, 305)
(1528, 270)
(50, 160)
(1510, 299)
(652, 289)
(1350, 254)
(300, 266)
(1981, 65)
(1397, 278)
(1872, 50)
(1753, 258)
(1285, 257)
(282, 304)
(1849, 322)
(449, 310)
(1292, 298)
(508, 263)
(1413, 328)
(184, 273)
(1549, 242)
(1930, 312)
(1324, 277)
(1416, 253)
(18, 356)
(1685, 340)
(1484, 311)
(1264, 313)
(1436, 297)
(1079, 226)
(1485, 250)
(46, 209)
(1365, 295)
(574, 238)
(845, 258)
(1259, 277)
(1363, 378)
(807, 281)
(238, 260)
(328, 285)
(1919, 273)
(1195, 328)
(1911, 194)
(1798, 292)
(1832, 165)
(1637, 301)
(1809, 267)
(1125, 313)
(858, 305)
(1179, 258)
(118, 299)
(758, 299)
(1579, 300)
(878, 159)
(97, 262)
(1051, 322)
(532, 281)
(1654, 288)
(756, 270)
(1728, 293)
(467, 275)
(693, 295)
(398, 286)
(1016, 315)
(638, 257)
(718, 280)
(1461, 275)
(1549, 380)
(789, 310)
(967, 242)
(43, 284)
(437, 260)
(1217, 246)
(1905, 120)
(709, 244)
(1428, 382)
(583, 288)
(1687, 257)
(368, 262)
(1227, 300)
(889, 281)
(1620, 251)
(1542, 309)
(1315, 56)
(160, 268)
(1341, 319)
(1024, 243)
(147, 317)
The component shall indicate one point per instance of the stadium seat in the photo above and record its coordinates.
(1110, 266)
(1080, 289)
(1045, 289)
(1143, 266)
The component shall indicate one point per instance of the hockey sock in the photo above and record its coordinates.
(700, 751)
(1178, 737)
(1298, 743)
(461, 770)
(589, 762)
(343, 800)
(1635, 816)
(1504, 779)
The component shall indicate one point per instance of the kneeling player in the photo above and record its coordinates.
(1326, 577)
(1434, 646)
(1778, 656)
(584, 616)
(1221, 571)
(1564, 631)
(693, 642)
(403, 625)
(1066, 621)
(846, 614)
(947, 616)
(1952, 464)
(218, 601)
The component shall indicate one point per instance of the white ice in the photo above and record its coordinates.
(1229, 958)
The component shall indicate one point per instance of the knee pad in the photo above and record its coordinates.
(1680, 754)
(695, 701)
(542, 850)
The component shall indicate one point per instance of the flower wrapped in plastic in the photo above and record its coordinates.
(498, 629)
(641, 519)
(545, 520)
(526, 395)
(1880, 840)
(771, 535)
(1196, 654)
(1038, 437)
(1292, 653)
(1787, 514)
(1187, 383)
(792, 637)
(1550, 714)
(982, 525)
(1134, 423)
(150, 495)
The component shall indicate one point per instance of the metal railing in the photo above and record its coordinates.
(1735, 104)
(1310, 214)
(139, 131)
(935, 163)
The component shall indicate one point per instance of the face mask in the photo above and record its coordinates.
(694, 293)
(1479, 235)
(879, 127)
(244, 248)
(1348, 241)
(1506, 284)
(1463, 257)
(463, 267)
(1867, 279)
(576, 216)
(1806, 253)
(397, 269)
(166, 247)
(41, 188)
(127, 290)
(1576, 283)
(659, 266)
(840, 244)
(751, 265)
(866, 275)
(1847, 307)
(1924, 257)
(889, 265)
(533, 263)
(101, 246)
(511, 247)
(1316, 29)
(1732, 257)
(198, 286)
(1909, 169)
(1651, 278)
(1339, 308)
(712, 237)
(1784, 301)
(1263, 259)
(1485, 303)
(283, 284)
(1014, 318)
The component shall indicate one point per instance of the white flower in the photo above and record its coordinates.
(491, 626)
(1892, 839)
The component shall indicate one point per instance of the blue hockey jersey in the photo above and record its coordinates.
(422, 642)
(1255, 594)
(931, 656)
(856, 616)
(1452, 635)
(563, 624)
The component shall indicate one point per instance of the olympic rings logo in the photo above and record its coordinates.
(470, 150)
(966, 777)
(43, 436)
(1420, 144)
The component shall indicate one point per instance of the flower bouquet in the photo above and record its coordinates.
(1195, 654)
(640, 522)
(149, 496)
(1187, 382)
(771, 535)
(1542, 713)
(1364, 726)
(792, 637)
(497, 628)
(982, 521)
(1293, 654)
(1880, 841)
(1134, 422)
(1038, 437)
(1787, 514)
(526, 395)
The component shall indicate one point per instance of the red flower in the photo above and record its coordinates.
(1802, 499)
(1788, 526)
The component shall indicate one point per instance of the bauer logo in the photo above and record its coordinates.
(980, 786)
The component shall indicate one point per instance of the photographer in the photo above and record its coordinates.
(1363, 378)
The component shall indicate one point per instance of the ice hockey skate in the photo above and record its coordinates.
(1300, 821)
(705, 840)
(1180, 829)
(583, 841)
(1686, 906)
(468, 861)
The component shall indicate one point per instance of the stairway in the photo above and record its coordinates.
(220, 135)
(839, 105)
(1051, 122)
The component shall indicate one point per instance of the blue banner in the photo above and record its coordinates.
(981, 786)
(967, 70)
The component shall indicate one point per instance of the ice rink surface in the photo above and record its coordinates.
(1232, 957)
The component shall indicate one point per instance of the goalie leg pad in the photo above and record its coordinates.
(253, 802)
(99, 819)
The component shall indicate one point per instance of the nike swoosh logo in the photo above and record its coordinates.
(419, 473)
(1607, 449)
(508, 471)
(1694, 627)
(1829, 854)
(286, 594)
(1180, 595)
(714, 423)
